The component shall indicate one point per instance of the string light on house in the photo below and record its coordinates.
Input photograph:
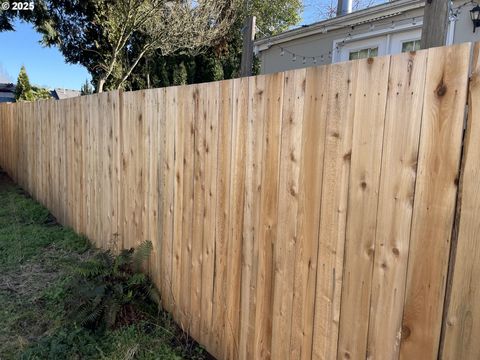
(321, 58)
(453, 12)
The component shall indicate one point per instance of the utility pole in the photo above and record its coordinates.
(247, 51)
(435, 23)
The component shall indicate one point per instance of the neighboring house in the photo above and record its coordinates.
(60, 94)
(389, 28)
(7, 92)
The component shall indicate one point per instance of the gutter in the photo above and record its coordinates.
(362, 16)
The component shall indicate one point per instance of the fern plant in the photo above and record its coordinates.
(110, 291)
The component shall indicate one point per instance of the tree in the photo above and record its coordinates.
(86, 88)
(221, 60)
(275, 16)
(328, 9)
(23, 89)
(111, 37)
(26, 92)
(38, 93)
(180, 75)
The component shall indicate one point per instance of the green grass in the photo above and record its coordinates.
(38, 259)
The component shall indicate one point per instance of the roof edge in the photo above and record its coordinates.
(343, 21)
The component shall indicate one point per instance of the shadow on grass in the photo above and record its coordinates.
(38, 259)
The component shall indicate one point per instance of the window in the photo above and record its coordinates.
(363, 53)
(413, 45)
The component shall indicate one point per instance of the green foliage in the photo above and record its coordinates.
(26, 92)
(110, 290)
(23, 87)
(180, 75)
(39, 262)
(275, 16)
(39, 93)
(86, 89)
(72, 342)
(109, 37)
(221, 61)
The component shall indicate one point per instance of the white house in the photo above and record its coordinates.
(388, 28)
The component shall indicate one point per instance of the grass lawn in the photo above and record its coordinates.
(38, 262)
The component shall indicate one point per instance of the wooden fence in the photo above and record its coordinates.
(300, 215)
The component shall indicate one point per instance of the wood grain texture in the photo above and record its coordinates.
(235, 235)
(298, 215)
(251, 217)
(435, 196)
(287, 235)
(200, 115)
(167, 184)
(395, 204)
(219, 330)
(268, 216)
(309, 194)
(175, 106)
(210, 210)
(462, 325)
(338, 144)
(367, 138)
(188, 118)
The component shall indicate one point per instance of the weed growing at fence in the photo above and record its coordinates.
(40, 282)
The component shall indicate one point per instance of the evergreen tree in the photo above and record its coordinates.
(26, 92)
(180, 75)
(220, 60)
(86, 89)
(23, 90)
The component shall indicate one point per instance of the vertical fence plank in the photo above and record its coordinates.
(209, 240)
(166, 134)
(287, 236)
(398, 174)
(199, 99)
(285, 211)
(166, 175)
(309, 195)
(235, 235)
(155, 196)
(188, 194)
(222, 218)
(462, 324)
(175, 104)
(367, 140)
(338, 137)
(262, 348)
(434, 203)
(253, 182)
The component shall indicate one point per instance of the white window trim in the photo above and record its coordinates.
(409, 40)
(450, 32)
(359, 48)
(371, 34)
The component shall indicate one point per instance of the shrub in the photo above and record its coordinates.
(111, 291)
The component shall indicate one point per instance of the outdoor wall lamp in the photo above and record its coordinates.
(475, 15)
